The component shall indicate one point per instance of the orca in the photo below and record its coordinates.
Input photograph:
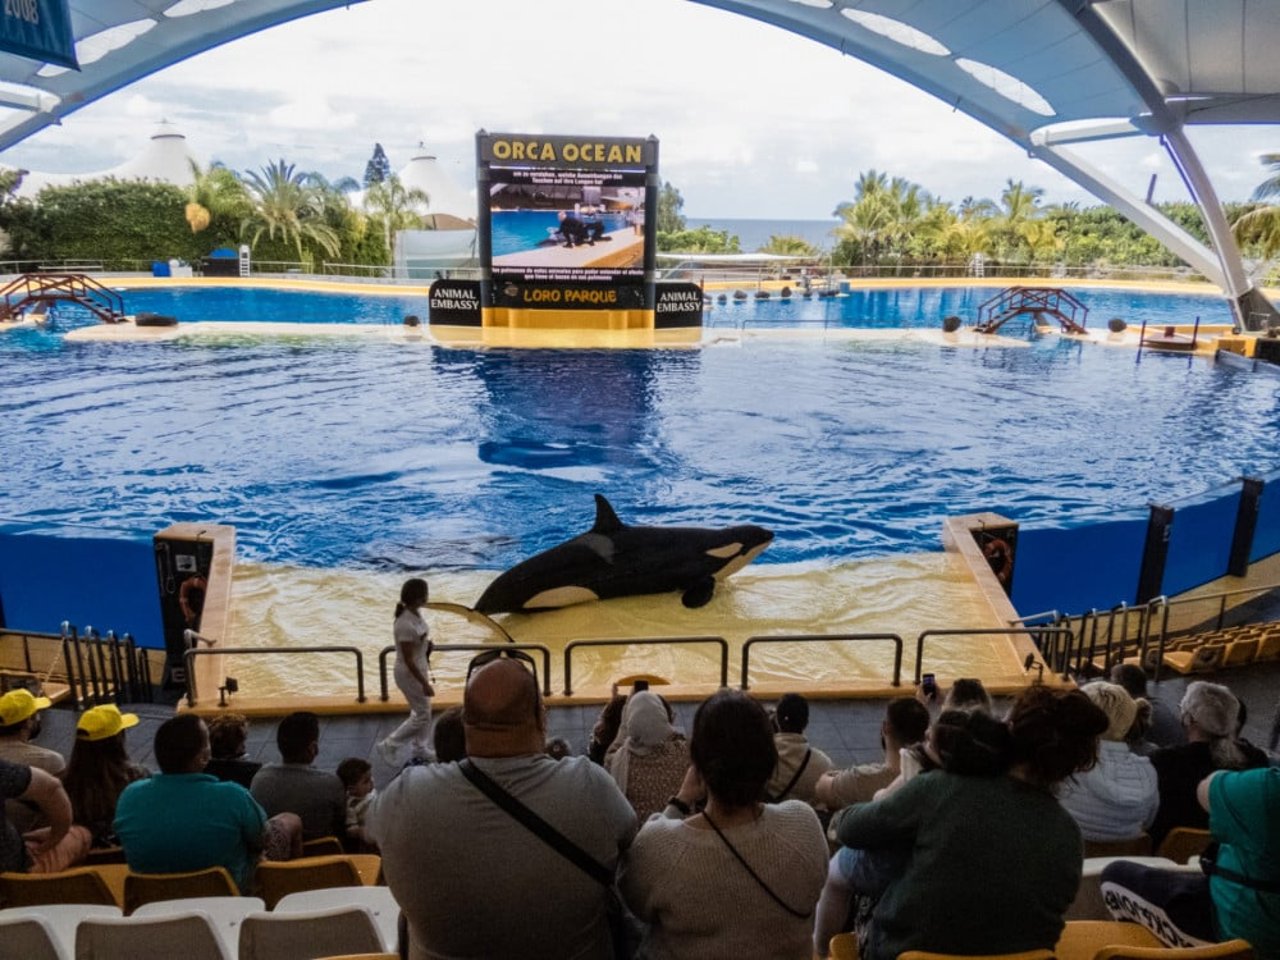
(613, 559)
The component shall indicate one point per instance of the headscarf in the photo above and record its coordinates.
(645, 728)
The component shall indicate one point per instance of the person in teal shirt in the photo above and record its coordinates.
(182, 819)
(1244, 883)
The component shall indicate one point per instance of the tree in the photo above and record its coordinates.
(1260, 227)
(215, 198)
(394, 206)
(789, 245)
(701, 240)
(288, 206)
(670, 203)
(378, 168)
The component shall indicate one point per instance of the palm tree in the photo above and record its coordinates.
(395, 206)
(213, 192)
(1261, 226)
(288, 204)
(789, 245)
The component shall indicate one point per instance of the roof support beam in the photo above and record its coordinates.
(1183, 244)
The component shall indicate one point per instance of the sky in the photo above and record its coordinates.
(753, 122)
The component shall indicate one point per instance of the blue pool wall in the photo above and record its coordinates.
(103, 583)
(1097, 566)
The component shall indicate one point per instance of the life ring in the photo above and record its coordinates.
(1000, 555)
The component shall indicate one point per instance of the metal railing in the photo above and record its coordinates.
(385, 653)
(1032, 632)
(833, 637)
(189, 656)
(573, 645)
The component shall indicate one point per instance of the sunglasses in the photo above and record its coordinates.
(498, 653)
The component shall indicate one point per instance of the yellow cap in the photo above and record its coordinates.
(17, 705)
(100, 723)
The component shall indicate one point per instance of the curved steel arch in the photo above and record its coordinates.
(1100, 68)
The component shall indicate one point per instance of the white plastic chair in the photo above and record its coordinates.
(377, 900)
(187, 935)
(225, 913)
(303, 936)
(59, 921)
(30, 938)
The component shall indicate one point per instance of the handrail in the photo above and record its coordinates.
(191, 654)
(644, 641)
(980, 631)
(385, 652)
(834, 637)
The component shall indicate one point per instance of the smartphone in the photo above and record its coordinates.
(929, 686)
(639, 685)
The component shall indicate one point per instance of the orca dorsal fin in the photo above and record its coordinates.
(606, 520)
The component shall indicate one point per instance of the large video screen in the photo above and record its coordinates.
(566, 219)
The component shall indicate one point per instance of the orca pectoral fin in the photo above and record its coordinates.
(699, 593)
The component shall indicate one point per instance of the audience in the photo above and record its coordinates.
(295, 786)
(967, 693)
(650, 756)
(52, 848)
(19, 725)
(471, 880)
(1163, 727)
(448, 737)
(905, 722)
(995, 861)
(100, 769)
(799, 764)
(183, 819)
(1238, 892)
(356, 775)
(741, 878)
(1117, 798)
(1210, 717)
(228, 737)
(558, 748)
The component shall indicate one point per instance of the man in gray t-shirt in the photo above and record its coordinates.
(471, 880)
(295, 786)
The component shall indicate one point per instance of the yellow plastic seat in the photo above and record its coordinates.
(1240, 652)
(78, 885)
(363, 956)
(277, 879)
(1139, 846)
(1230, 950)
(1024, 955)
(322, 847)
(1268, 646)
(1081, 939)
(140, 888)
(844, 946)
(1182, 843)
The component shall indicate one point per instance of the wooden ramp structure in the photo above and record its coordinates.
(1040, 303)
(43, 289)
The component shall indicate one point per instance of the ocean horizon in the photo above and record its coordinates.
(753, 234)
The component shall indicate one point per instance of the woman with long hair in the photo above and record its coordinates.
(985, 847)
(740, 878)
(413, 650)
(99, 770)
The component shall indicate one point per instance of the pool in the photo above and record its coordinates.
(517, 231)
(343, 463)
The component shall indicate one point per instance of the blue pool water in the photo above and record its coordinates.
(342, 453)
(516, 231)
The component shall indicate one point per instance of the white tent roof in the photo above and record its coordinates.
(166, 159)
(423, 172)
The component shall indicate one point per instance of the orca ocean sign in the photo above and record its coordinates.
(39, 29)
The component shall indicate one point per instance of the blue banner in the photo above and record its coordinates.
(39, 29)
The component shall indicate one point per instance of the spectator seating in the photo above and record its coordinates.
(140, 888)
(1230, 950)
(102, 884)
(303, 936)
(104, 855)
(363, 956)
(1081, 939)
(225, 914)
(279, 879)
(322, 847)
(1139, 846)
(186, 935)
(1183, 843)
(23, 928)
(1024, 955)
(377, 900)
(844, 946)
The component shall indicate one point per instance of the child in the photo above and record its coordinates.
(357, 776)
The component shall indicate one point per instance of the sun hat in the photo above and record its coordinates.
(1120, 708)
(101, 723)
(18, 705)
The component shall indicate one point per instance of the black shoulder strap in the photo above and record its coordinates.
(536, 825)
(791, 785)
(1209, 864)
(755, 876)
